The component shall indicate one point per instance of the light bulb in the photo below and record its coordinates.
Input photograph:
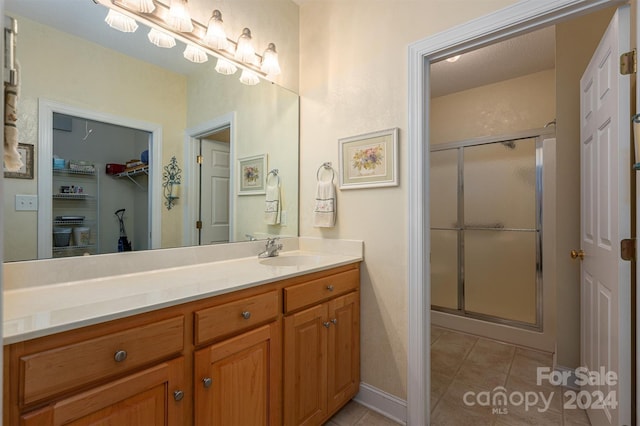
(215, 36)
(195, 54)
(270, 63)
(161, 39)
(179, 18)
(120, 22)
(453, 58)
(249, 78)
(244, 49)
(225, 67)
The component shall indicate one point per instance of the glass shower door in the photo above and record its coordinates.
(485, 231)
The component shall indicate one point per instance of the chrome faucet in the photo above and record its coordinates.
(271, 249)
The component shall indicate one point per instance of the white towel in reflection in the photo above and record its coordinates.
(273, 205)
(324, 214)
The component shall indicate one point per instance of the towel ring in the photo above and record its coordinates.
(326, 166)
(275, 173)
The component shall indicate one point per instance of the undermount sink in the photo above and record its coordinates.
(292, 260)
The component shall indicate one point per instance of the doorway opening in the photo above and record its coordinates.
(150, 135)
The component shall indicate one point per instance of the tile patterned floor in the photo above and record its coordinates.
(461, 363)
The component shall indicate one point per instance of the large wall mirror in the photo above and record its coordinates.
(89, 93)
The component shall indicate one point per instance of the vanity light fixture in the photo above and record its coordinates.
(179, 17)
(195, 54)
(161, 39)
(216, 36)
(244, 48)
(225, 67)
(144, 6)
(249, 78)
(211, 39)
(121, 22)
(270, 64)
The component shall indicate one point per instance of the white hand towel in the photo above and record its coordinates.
(324, 214)
(273, 206)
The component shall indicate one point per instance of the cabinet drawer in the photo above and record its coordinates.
(235, 316)
(55, 371)
(312, 292)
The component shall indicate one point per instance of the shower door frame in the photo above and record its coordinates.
(539, 135)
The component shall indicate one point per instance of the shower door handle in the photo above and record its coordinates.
(577, 254)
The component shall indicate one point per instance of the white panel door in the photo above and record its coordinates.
(214, 192)
(605, 220)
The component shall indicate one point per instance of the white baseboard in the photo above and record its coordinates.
(381, 402)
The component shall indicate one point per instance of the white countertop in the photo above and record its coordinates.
(36, 311)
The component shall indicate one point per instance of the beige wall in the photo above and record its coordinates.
(522, 103)
(576, 41)
(353, 80)
(60, 67)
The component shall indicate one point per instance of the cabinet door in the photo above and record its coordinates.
(305, 367)
(237, 381)
(144, 398)
(343, 350)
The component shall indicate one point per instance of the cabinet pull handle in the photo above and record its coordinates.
(334, 321)
(178, 395)
(246, 314)
(326, 324)
(207, 382)
(120, 356)
(330, 287)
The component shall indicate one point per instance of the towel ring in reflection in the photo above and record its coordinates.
(275, 173)
(326, 166)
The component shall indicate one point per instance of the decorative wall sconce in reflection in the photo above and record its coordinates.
(171, 183)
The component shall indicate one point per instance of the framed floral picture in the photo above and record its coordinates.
(369, 160)
(253, 172)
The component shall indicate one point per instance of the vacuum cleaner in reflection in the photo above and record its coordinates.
(123, 242)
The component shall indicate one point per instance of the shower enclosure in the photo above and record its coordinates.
(486, 230)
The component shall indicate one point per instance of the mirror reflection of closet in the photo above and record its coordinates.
(95, 197)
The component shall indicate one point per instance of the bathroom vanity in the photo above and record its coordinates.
(243, 341)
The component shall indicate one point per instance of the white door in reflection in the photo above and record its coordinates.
(214, 190)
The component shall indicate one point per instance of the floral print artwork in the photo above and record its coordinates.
(368, 158)
(251, 175)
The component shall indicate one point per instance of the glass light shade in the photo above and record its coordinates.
(179, 18)
(244, 49)
(161, 39)
(120, 22)
(249, 78)
(195, 54)
(270, 63)
(225, 67)
(215, 36)
(143, 6)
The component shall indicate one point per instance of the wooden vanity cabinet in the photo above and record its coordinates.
(216, 361)
(321, 348)
(150, 397)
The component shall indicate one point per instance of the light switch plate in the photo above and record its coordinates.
(26, 202)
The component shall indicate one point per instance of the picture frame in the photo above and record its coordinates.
(252, 173)
(26, 171)
(369, 160)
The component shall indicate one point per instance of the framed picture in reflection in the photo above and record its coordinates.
(253, 172)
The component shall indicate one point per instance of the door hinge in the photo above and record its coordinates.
(628, 249)
(628, 63)
(198, 224)
(199, 159)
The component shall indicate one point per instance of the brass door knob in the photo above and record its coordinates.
(577, 254)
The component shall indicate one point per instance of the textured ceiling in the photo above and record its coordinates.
(526, 54)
